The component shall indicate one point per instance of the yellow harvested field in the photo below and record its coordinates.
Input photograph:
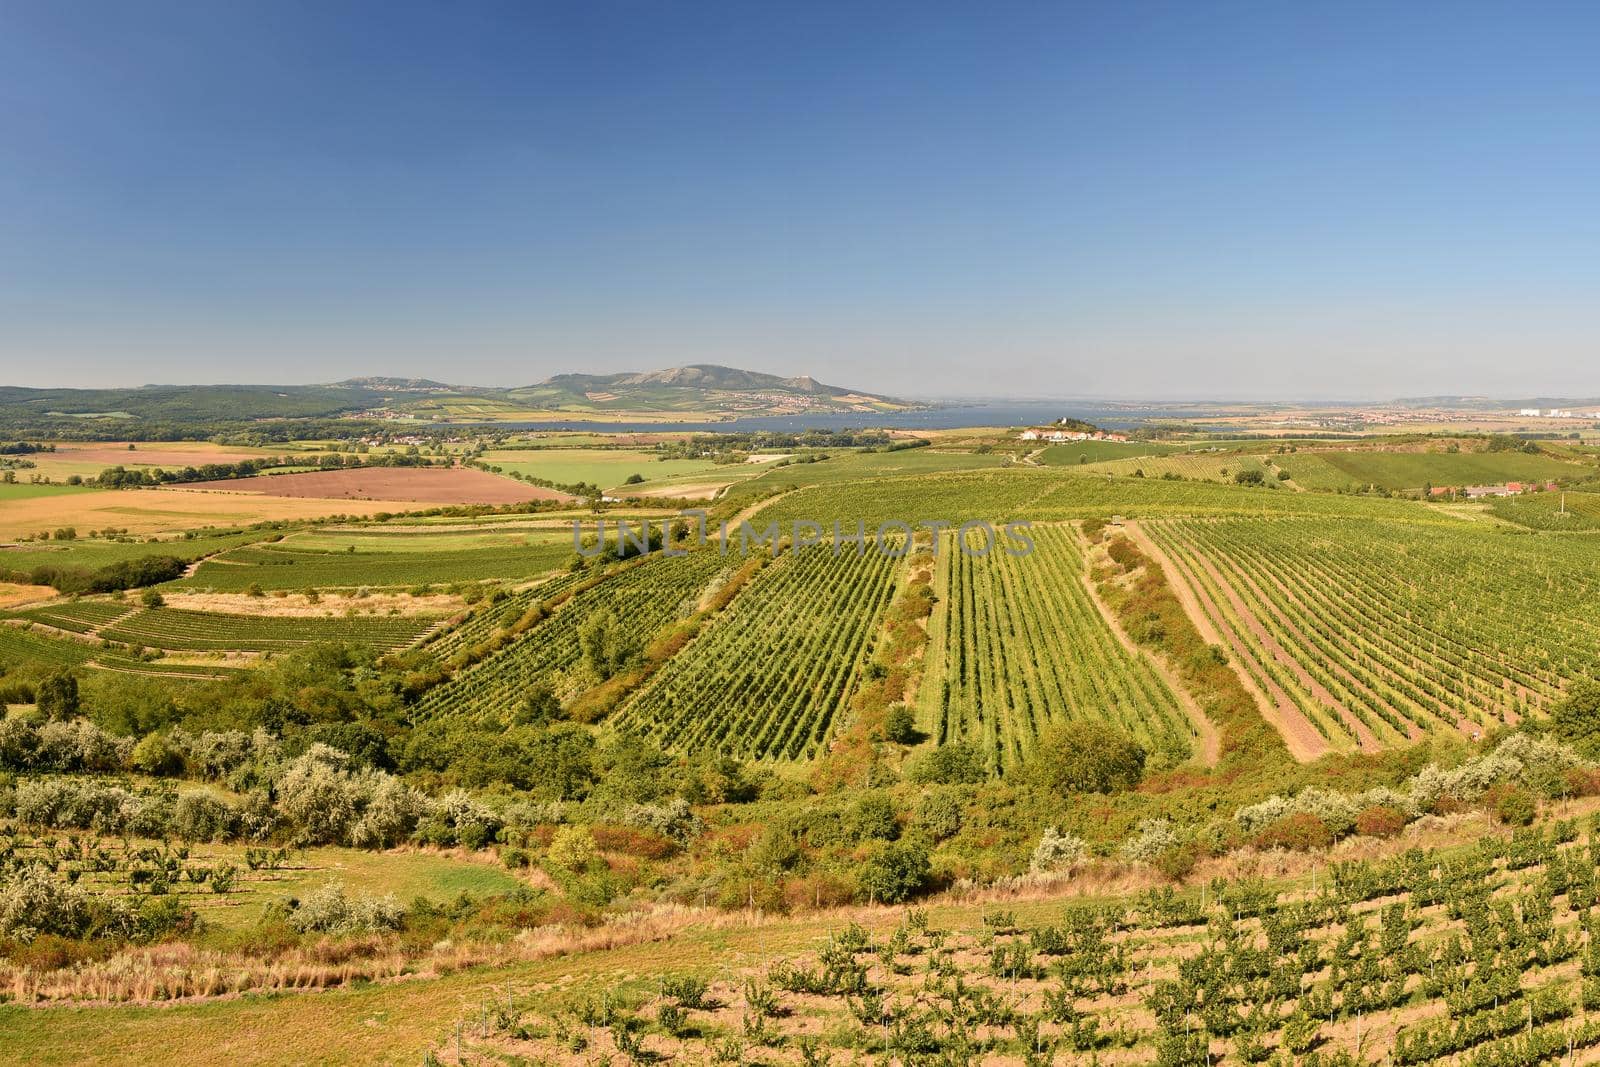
(297, 605)
(13, 594)
(697, 491)
(88, 458)
(150, 511)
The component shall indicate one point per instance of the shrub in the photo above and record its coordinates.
(329, 910)
(198, 816)
(1300, 832)
(1380, 821)
(674, 819)
(874, 819)
(893, 872)
(1057, 852)
(457, 819)
(572, 849)
(631, 841)
(156, 754)
(956, 763)
(900, 725)
(940, 813)
(316, 796)
(392, 812)
(1576, 719)
(1512, 806)
(78, 745)
(1178, 862)
(57, 696)
(34, 902)
(1150, 840)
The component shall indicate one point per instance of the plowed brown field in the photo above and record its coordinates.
(424, 485)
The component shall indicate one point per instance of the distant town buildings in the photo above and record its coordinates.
(1064, 436)
(1557, 413)
(1480, 492)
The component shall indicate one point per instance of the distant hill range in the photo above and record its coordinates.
(692, 393)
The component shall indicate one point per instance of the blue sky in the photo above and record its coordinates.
(1121, 199)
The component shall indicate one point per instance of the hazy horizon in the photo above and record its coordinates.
(1129, 202)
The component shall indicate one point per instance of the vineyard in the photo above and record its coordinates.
(1205, 466)
(643, 597)
(1550, 511)
(1017, 643)
(77, 616)
(495, 615)
(201, 631)
(1050, 494)
(19, 646)
(1483, 956)
(1378, 633)
(769, 677)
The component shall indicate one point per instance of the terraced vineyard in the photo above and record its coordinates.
(1017, 643)
(78, 616)
(1481, 957)
(1380, 632)
(162, 668)
(19, 646)
(768, 678)
(644, 597)
(172, 628)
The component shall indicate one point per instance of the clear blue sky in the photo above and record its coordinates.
(1064, 199)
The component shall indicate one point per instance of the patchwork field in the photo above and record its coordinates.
(622, 755)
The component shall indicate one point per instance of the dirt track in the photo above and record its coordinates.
(1205, 729)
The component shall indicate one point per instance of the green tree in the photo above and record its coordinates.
(894, 872)
(1576, 719)
(607, 646)
(957, 763)
(1085, 757)
(57, 696)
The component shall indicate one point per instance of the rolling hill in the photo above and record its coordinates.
(702, 391)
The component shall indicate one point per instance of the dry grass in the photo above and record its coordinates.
(297, 605)
(12, 594)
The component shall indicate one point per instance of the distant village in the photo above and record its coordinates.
(1479, 492)
(1557, 413)
(1058, 436)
